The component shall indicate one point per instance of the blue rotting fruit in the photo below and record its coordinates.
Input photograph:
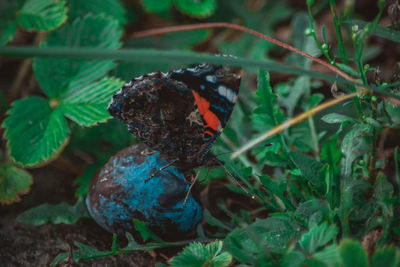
(123, 191)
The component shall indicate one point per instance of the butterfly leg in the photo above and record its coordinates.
(160, 169)
(190, 188)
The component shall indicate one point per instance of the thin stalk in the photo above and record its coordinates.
(287, 124)
(342, 52)
(396, 165)
(336, 20)
(314, 35)
(243, 29)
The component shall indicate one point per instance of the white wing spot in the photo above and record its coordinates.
(191, 69)
(227, 93)
(211, 78)
(127, 84)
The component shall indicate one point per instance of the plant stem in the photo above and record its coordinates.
(287, 124)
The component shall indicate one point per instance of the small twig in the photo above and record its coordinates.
(24, 70)
(70, 260)
(243, 29)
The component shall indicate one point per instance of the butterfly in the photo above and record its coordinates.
(180, 113)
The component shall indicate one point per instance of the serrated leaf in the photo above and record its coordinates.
(265, 236)
(55, 76)
(35, 132)
(8, 22)
(156, 6)
(197, 8)
(329, 255)
(387, 256)
(198, 255)
(337, 118)
(42, 15)
(112, 8)
(308, 166)
(354, 145)
(60, 213)
(353, 254)
(318, 236)
(87, 105)
(13, 182)
(264, 116)
(312, 210)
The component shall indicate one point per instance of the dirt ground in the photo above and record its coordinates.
(25, 245)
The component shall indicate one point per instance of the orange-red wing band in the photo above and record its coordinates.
(209, 117)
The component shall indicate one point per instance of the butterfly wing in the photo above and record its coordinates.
(215, 90)
(180, 113)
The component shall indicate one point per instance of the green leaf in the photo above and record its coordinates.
(55, 76)
(61, 213)
(87, 105)
(311, 212)
(42, 15)
(353, 254)
(293, 259)
(318, 236)
(349, 70)
(383, 189)
(7, 31)
(13, 182)
(211, 220)
(112, 8)
(198, 255)
(156, 6)
(8, 22)
(144, 231)
(324, 34)
(354, 145)
(387, 256)
(254, 242)
(197, 8)
(336, 118)
(329, 255)
(83, 181)
(35, 132)
(309, 167)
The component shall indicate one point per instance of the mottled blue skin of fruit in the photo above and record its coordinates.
(120, 193)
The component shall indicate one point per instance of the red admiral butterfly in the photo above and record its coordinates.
(179, 113)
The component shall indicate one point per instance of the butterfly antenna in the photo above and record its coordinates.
(233, 179)
(160, 169)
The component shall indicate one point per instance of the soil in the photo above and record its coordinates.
(25, 245)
